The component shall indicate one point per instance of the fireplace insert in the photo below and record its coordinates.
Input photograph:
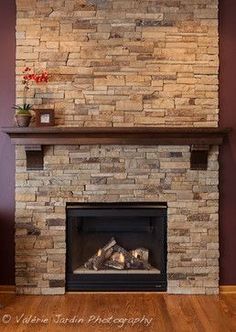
(116, 247)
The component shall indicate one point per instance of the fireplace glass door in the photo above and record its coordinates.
(116, 247)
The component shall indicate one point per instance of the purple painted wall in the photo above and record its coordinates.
(228, 151)
(227, 159)
(7, 161)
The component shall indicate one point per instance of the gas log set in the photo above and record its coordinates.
(113, 256)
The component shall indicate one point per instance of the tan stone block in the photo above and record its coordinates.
(153, 35)
(27, 42)
(149, 16)
(170, 165)
(27, 21)
(26, 4)
(149, 120)
(53, 56)
(134, 103)
(186, 80)
(111, 80)
(43, 243)
(51, 44)
(206, 13)
(74, 94)
(206, 70)
(25, 197)
(163, 103)
(53, 291)
(27, 56)
(137, 80)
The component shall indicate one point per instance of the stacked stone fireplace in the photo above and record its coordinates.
(125, 63)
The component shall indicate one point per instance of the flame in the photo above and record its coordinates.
(135, 254)
(99, 252)
(122, 258)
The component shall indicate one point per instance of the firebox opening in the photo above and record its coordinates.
(116, 246)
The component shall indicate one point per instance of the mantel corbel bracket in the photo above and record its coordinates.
(199, 157)
(34, 157)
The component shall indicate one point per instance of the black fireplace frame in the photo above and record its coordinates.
(115, 282)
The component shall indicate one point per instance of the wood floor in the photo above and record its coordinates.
(119, 312)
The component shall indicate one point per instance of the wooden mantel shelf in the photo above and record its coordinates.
(131, 135)
(200, 139)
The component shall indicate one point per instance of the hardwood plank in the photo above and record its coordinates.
(172, 313)
(7, 289)
(228, 289)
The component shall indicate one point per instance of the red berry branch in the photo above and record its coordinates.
(29, 76)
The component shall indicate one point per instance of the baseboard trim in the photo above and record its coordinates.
(228, 289)
(10, 289)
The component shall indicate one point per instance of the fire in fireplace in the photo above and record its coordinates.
(118, 246)
(114, 257)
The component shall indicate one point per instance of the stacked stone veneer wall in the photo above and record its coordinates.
(117, 174)
(122, 62)
(119, 63)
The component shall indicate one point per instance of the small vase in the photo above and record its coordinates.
(23, 120)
